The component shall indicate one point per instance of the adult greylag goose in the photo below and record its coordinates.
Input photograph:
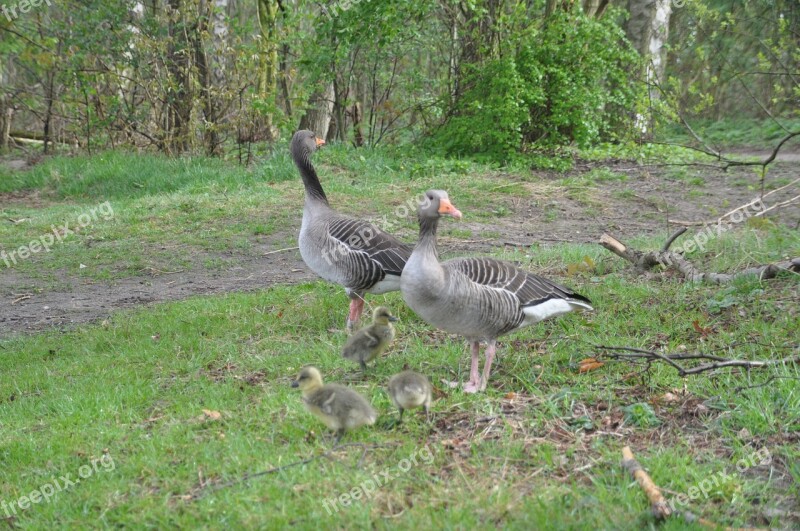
(478, 298)
(346, 251)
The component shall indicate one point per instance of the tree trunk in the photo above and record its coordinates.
(211, 69)
(595, 8)
(648, 29)
(179, 66)
(268, 57)
(284, 67)
(50, 97)
(6, 111)
(358, 135)
(319, 113)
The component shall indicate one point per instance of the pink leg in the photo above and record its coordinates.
(487, 367)
(356, 307)
(474, 375)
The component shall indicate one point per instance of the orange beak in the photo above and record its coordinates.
(320, 142)
(446, 207)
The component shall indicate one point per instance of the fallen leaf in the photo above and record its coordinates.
(156, 337)
(510, 396)
(700, 330)
(667, 398)
(211, 414)
(589, 364)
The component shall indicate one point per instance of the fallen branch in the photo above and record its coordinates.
(658, 505)
(714, 362)
(657, 502)
(20, 299)
(675, 261)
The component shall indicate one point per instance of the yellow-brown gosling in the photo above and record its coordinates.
(410, 389)
(338, 407)
(370, 342)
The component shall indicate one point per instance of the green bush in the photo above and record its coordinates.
(563, 84)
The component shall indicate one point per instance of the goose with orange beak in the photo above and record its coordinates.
(347, 251)
(478, 298)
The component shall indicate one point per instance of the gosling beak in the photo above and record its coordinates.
(320, 142)
(295, 384)
(394, 319)
(446, 207)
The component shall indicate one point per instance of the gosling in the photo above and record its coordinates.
(370, 342)
(338, 407)
(410, 389)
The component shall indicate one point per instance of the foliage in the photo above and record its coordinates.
(562, 85)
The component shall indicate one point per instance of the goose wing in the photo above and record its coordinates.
(528, 288)
(363, 242)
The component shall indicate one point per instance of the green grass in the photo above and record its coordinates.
(135, 388)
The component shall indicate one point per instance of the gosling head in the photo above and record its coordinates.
(383, 316)
(308, 379)
(436, 204)
(305, 141)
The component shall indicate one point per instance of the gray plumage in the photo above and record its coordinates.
(371, 341)
(478, 298)
(346, 251)
(338, 407)
(409, 390)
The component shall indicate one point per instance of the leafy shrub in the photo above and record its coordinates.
(559, 85)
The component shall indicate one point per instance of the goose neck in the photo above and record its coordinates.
(427, 235)
(314, 191)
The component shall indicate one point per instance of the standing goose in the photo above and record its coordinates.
(346, 251)
(478, 298)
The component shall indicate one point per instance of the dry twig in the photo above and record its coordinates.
(713, 362)
(657, 502)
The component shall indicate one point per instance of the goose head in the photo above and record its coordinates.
(383, 316)
(305, 142)
(436, 204)
(308, 379)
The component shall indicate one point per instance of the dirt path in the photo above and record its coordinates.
(637, 206)
(38, 307)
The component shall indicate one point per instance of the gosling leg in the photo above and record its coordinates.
(339, 435)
